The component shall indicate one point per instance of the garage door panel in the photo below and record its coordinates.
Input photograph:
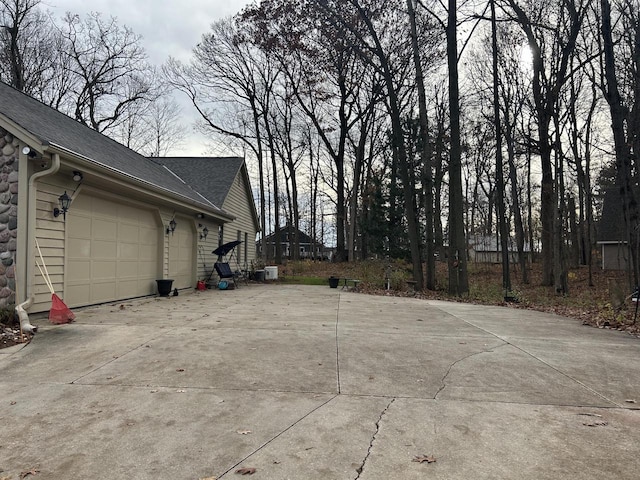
(104, 249)
(80, 293)
(81, 225)
(129, 233)
(79, 271)
(103, 292)
(104, 229)
(148, 236)
(181, 248)
(103, 270)
(81, 247)
(147, 270)
(128, 251)
(125, 286)
(127, 269)
(103, 207)
(113, 251)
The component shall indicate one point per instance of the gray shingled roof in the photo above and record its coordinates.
(212, 177)
(54, 128)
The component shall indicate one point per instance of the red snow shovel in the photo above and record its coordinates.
(59, 312)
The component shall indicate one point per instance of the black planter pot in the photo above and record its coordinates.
(333, 282)
(164, 286)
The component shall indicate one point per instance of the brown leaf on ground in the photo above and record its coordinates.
(595, 424)
(179, 369)
(243, 432)
(424, 458)
(246, 471)
(630, 401)
(26, 473)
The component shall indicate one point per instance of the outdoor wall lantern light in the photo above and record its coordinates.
(204, 233)
(172, 226)
(65, 202)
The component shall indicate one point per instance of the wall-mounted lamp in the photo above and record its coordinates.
(65, 202)
(29, 152)
(172, 226)
(204, 233)
(77, 176)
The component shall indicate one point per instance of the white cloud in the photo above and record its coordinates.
(169, 28)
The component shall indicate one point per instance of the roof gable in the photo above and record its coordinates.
(53, 129)
(212, 177)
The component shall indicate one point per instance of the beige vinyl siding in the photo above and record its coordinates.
(50, 235)
(239, 204)
(206, 258)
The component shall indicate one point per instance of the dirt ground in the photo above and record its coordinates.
(10, 335)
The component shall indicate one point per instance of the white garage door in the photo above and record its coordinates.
(111, 251)
(181, 248)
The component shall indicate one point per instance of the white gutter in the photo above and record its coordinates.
(25, 325)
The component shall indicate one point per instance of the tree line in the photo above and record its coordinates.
(92, 69)
(415, 125)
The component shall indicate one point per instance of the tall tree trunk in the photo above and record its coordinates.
(515, 200)
(500, 188)
(400, 148)
(458, 276)
(623, 154)
(425, 154)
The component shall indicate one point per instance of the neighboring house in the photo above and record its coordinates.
(487, 249)
(612, 233)
(309, 248)
(116, 238)
(224, 182)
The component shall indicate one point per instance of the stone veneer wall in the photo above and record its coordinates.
(8, 216)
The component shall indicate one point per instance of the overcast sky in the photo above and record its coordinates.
(168, 27)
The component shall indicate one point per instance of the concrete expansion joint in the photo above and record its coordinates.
(373, 438)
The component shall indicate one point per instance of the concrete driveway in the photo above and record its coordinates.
(315, 383)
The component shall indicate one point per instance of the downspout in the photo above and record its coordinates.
(25, 325)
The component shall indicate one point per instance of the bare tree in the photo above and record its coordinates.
(551, 48)
(26, 46)
(228, 69)
(110, 70)
(622, 126)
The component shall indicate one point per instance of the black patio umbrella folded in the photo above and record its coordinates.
(225, 248)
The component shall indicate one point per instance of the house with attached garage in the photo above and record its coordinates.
(224, 181)
(130, 220)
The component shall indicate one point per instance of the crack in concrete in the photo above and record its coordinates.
(360, 469)
(444, 378)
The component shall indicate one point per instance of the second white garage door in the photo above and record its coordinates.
(111, 251)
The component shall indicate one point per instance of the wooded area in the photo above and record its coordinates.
(401, 128)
